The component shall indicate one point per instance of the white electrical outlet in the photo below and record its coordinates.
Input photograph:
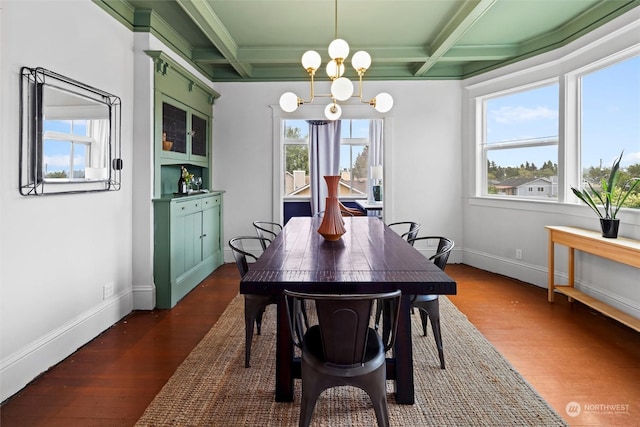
(518, 253)
(107, 290)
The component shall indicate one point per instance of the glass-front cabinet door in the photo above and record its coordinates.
(199, 134)
(185, 133)
(174, 129)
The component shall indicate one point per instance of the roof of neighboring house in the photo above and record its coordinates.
(520, 181)
(359, 187)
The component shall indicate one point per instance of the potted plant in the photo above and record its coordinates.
(607, 198)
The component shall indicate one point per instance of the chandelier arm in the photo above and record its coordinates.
(372, 101)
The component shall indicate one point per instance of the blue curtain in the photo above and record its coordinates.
(324, 157)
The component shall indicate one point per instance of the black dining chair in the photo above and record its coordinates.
(254, 305)
(406, 229)
(341, 349)
(266, 230)
(429, 305)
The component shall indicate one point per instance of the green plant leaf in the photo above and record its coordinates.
(625, 193)
(586, 198)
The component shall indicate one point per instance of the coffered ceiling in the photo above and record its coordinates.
(263, 40)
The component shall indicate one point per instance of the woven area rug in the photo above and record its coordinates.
(478, 388)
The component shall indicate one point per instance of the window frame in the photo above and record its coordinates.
(485, 147)
(344, 141)
(284, 141)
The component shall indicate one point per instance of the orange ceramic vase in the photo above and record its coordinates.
(332, 226)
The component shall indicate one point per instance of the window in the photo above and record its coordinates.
(354, 162)
(66, 149)
(520, 143)
(296, 158)
(610, 123)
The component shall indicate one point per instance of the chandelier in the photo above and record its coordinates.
(341, 87)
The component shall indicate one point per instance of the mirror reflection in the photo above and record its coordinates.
(70, 136)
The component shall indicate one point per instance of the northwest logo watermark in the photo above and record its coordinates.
(573, 409)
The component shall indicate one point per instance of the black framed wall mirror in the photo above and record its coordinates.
(70, 136)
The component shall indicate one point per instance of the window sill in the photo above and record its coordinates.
(626, 215)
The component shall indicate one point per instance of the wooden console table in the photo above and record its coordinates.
(622, 250)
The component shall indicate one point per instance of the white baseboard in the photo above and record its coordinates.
(144, 297)
(20, 368)
(537, 275)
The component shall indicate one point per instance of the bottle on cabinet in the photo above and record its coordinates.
(182, 182)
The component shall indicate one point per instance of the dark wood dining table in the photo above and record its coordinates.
(368, 258)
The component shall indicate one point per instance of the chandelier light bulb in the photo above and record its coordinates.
(311, 60)
(333, 71)
(332, 111)
(361, 61)
(289, 102)
(338, 49)
(384, 102)
(342, 89)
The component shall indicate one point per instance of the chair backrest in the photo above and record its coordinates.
(267, 230)
(344, 323)
(411, 228)
(242, 255)
(442, 252)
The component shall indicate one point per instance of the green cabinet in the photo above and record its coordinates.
(188, 244)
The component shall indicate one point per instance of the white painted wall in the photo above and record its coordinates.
(422, 154)
(57, 252)
(494, 229)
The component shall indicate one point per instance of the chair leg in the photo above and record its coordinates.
(435, 326)
(376, 323)
(259, 322)
(304, 314)
(384, 310)
(431, 310)
(379, 398)
(311, 390)
(254, 306)
(424, 318)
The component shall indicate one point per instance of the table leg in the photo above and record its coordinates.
(551, 266)
(284, 355)
(572, 269)
(403, 351)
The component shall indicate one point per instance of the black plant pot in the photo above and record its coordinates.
(609, 227)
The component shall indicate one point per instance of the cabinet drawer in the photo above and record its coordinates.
(187, 207)
(209, 202)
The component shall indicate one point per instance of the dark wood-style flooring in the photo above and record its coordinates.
(566, 352)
